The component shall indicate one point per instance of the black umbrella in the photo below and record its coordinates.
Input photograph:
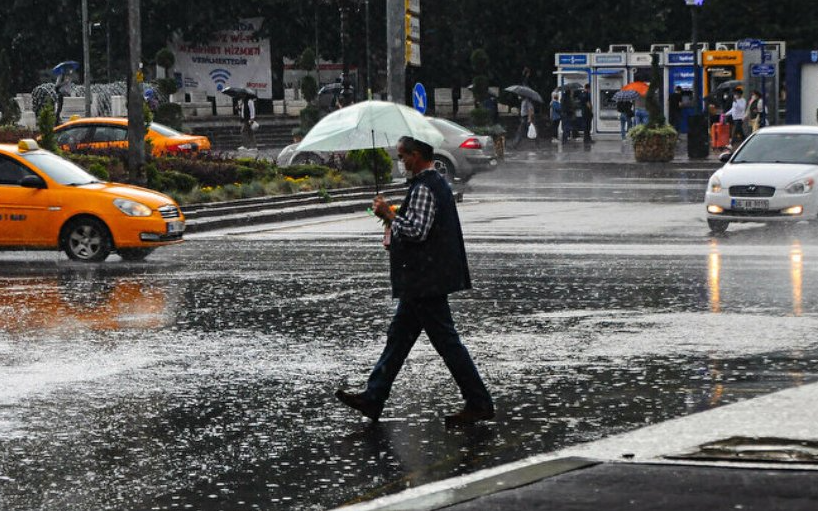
(570, 86)
(525, 92)
(239, 92)
(730, 84)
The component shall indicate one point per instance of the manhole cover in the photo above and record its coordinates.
(765, 449)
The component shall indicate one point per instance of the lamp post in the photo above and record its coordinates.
(368, 58)
(698, 145)
(86, 57)
(346, 93)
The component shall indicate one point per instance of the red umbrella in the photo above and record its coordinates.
(640, 87)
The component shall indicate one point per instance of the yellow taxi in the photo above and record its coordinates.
(112, 133)
(47, 202)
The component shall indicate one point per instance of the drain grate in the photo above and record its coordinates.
(759, 449)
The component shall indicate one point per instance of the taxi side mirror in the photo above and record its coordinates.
(725, 156)
(32, 182)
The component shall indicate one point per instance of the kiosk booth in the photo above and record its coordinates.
(720, 66)
(679, 72)
(610, 71)
(573, 72)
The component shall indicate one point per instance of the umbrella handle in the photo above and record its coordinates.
(374, 166)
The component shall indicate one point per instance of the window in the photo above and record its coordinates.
(109, 134)
(73, 136)
(11, 172)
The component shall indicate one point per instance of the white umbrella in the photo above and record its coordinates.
(369, 125)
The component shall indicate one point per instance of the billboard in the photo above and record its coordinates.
(233, 58)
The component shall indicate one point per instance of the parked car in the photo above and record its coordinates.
(770, 178)
(48, 202)
(461, 155)
(112, 132)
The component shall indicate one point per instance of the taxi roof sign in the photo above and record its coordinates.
(27, 144)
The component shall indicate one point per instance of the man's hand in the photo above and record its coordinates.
(382, 209)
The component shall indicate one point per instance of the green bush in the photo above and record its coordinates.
(300, 171)
(114, 166)
(99, 171)
(165, 58)
(167, 86)
(362, 160)
(45, 124)
(169, 114)
(309, 117)
(480, 116)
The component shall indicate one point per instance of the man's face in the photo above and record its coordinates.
(410, 159)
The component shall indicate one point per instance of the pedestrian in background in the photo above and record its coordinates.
(755, 108)
(248, 123)
(556, 114)
(63, 88)
(625, 109)
(737, 113)
(567, 111)
(427, 263)
(587, 112)
(675, 108)
(526, 120)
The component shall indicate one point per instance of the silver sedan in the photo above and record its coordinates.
(461, 155)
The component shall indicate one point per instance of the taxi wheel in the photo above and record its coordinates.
(134, 254)
(87, 239)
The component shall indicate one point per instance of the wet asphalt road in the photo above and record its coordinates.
(203, 378)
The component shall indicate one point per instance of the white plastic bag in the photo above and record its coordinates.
(532, 131)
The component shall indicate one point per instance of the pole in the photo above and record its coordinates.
(763, 88)
(396, 51)
(86, 57)
(698, 143)
(346, 93)
(368, 59)
(136, 119)
(696, 69)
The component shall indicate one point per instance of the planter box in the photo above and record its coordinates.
(655, 147)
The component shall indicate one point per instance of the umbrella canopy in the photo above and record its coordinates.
(730, 84)
(625, 95)
(367, 125)
(640, 87)
(65, 67)
(239, 92)
(525, 92)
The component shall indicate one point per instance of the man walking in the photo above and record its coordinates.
(737, 113)
(427, 263)
(248, 119)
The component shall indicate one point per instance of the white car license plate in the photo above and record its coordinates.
(748, 204)
(176, 227)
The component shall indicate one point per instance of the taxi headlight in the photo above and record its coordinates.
(801, 186)
(132, 208)
(715, 185)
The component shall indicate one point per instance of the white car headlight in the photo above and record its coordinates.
(132, 208)
(715, 185)
(801, 186)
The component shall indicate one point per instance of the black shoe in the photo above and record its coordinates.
(468, 417)
(358, 402)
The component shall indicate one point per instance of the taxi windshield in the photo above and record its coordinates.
(59, 169)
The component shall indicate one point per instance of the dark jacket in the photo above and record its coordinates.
(438, 265)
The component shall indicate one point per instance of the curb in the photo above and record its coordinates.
(282, 208)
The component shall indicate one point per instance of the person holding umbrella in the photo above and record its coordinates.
(527, 97)
(62, 86)
(427, 262)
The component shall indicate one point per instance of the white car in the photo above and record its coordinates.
(770, 178)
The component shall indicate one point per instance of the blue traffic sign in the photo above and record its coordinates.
(767, 70)
(419, 98)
